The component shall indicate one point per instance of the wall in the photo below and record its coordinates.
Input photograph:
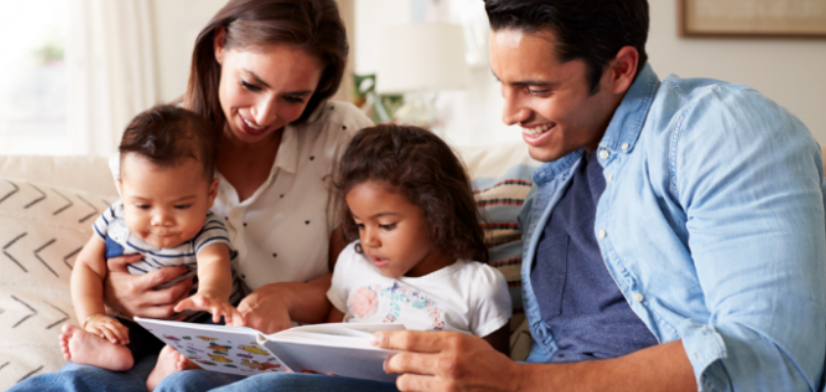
(789, 71)
(177, 24)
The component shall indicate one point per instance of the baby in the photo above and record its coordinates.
(167, 185)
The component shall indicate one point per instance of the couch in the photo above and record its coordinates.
(48, 203)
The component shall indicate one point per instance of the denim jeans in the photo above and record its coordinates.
(84, 378)
(202, 380)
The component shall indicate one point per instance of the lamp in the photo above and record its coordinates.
(420, 59)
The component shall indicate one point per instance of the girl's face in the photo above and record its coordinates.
(393, 232)
(263, 89)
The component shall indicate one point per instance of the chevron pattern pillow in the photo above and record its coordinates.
(42, 229)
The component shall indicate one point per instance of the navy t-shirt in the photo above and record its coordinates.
(577, 296)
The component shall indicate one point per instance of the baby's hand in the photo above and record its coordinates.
(218, 307)
(108, 328)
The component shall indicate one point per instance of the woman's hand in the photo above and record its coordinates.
(134, 295)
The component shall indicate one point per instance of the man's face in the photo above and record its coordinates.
(550, 100)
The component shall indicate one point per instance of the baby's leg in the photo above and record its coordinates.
(84, 348)
(169, 361)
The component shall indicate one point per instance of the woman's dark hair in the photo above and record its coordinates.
(591, 30)
(312, 25)
(421, 167)
(167, 134)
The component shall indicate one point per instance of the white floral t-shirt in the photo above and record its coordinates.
(466, 296)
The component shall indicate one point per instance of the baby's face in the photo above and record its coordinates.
(165, 206)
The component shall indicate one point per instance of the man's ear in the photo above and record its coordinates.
(623, 68)
(218, 44)
(213, 191)
(119, 183)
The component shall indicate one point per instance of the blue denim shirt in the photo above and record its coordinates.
(712, 224)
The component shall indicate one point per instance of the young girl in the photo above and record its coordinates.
(409, 210)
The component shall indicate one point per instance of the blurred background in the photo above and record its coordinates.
(73, 72)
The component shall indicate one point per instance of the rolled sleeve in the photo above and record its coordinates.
(757, 234)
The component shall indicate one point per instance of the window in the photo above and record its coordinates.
(33, 77)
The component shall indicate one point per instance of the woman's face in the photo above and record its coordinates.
(263, 89)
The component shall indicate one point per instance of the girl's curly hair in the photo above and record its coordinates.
(420, 166)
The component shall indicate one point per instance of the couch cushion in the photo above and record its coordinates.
(502, 176)
(42, 228)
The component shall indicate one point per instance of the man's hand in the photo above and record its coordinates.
(134, 295)
(264, 309)
(446, 361)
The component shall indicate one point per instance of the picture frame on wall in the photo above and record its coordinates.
(752, 18)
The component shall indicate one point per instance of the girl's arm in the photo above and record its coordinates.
(500, 340)
(87, 293)
(335, 315)
(214, 285)
(270, 308)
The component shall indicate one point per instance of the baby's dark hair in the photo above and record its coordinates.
(421, 167)
(168, 134)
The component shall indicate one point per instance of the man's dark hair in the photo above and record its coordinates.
(591, 30)
(419, 166)
(168, 134)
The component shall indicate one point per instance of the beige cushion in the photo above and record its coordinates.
(42, 228)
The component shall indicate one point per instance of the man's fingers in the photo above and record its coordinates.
(416, 382)
(118, 264)
(416, 341)
(406, 362)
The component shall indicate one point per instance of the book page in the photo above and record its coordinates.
(342, 349)
(219, 348)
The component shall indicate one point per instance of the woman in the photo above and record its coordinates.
(263, 71)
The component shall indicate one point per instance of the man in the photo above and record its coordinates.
(675, 238)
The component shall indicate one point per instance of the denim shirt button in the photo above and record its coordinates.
(625, 146)
(610, 178)
(604, 154)
(602, 234)
(638, 297)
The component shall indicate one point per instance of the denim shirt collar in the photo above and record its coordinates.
(623, 130)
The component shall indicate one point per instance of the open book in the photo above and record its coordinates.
(342, 349)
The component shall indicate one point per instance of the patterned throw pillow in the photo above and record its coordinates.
(42, 229)
(502, 177)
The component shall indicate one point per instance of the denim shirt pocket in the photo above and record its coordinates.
(554, 273)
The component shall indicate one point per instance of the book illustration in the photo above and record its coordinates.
(254, 349)
(220, 351)
(260, 366)
(343, 349)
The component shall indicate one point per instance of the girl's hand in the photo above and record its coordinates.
(135, 295)
(108, 328)
(208, 302)
(265, 310)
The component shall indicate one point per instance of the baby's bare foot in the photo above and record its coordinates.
(169, 361)
(84, 348)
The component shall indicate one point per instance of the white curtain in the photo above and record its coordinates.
(111, 65)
